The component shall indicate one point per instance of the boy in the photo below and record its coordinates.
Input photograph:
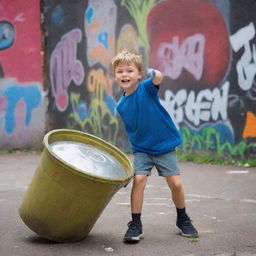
(153, 137)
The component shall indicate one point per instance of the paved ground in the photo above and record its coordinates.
(221, 203)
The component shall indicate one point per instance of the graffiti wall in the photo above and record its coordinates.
(205, 49)
(22, 101)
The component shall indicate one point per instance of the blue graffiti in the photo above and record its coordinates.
(111, 104)
(58, 15)
(225, 132)
(32, 97)
(103, 39)
(222, 134)
(6, 35)
(82, 111)
(89, 15)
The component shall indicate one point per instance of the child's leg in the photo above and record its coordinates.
(142, 168)
(137, 193)
(183, 221)
(134, 232)
(178, 195)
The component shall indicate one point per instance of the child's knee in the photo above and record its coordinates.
(140, 180)
(177, 186)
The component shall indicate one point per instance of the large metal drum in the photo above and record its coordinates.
(76, 178)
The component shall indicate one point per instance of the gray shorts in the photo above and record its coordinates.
(165, 164)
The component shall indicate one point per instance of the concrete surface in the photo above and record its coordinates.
(221, 203)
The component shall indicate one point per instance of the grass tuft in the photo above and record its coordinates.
(214, 158)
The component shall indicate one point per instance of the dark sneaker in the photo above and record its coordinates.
(186, 227)
(134, 232)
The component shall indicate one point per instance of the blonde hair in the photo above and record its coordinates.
(127, 57)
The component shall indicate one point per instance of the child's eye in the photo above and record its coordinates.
(130, 71)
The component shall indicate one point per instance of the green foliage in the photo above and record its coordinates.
(8, 150)
(193, 239)
(213, 158)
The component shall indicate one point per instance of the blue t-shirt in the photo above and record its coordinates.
(149, 127)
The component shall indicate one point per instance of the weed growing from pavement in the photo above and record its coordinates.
(193, 239)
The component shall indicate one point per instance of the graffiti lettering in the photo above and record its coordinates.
(20, 17)
(128, 38)
(12, 95)
(96, 80)
(189, 55)
(246, 66)
(64, 67)
(100, 24)
(58, 15)
(7, 34)
(206, 105)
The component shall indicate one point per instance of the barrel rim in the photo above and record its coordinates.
(99, 141)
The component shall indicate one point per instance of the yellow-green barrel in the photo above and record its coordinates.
(63, 202)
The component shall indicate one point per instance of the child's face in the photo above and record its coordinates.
(127, 76)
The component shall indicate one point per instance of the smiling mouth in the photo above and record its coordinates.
(125, 81)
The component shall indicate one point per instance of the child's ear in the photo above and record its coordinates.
(141, 74)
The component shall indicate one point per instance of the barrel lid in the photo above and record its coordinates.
(88, 155)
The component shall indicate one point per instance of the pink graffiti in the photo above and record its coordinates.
(64, 67)
(189, 56)
(3, 105)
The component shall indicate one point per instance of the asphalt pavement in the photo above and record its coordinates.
(220, 199)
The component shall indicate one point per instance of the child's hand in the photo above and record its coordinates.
(156, 75)
(150, 72)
